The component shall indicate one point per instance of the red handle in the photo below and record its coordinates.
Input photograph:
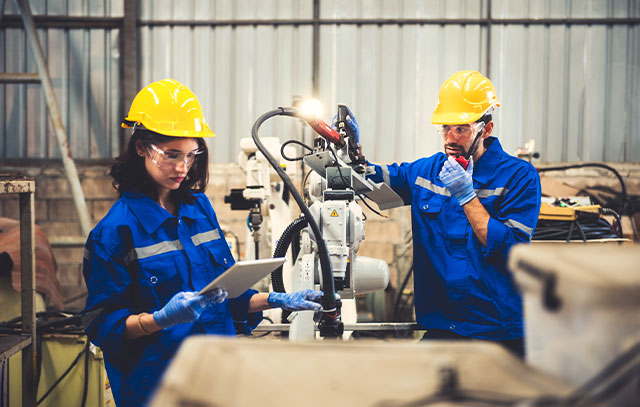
(325, 131)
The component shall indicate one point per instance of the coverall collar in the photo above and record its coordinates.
(151, 215)
(486, 165)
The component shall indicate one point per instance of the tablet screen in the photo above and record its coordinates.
(242, 275)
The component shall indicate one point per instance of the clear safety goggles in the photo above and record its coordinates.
(459, 130)
(171, 159)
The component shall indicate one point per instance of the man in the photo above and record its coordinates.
(465, 221)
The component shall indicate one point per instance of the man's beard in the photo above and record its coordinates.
(461, 150)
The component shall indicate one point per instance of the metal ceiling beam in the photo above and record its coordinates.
(20, 77)
(396, 21)
(15, 21)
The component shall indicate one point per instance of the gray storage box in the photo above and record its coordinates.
(213, 371)
(581, 305)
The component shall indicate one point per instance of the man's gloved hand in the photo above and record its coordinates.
(458, 181)
(186, 306)
(351, 124)
(298, 301)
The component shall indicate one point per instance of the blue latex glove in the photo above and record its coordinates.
(215, 296)
(351, 124)
(458, 181)
(298, 301)
(186, 306)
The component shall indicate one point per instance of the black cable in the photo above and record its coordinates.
(581, 230)
(573, 224)
(609, 211)
(62, 324)
(85, 388)
(281, 248)
(66, 372)
(344, 179)
(328, 299)
(623, 187)
(300, 143)
(53, 322)
(563, 230)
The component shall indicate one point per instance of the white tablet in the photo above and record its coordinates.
(242, 275)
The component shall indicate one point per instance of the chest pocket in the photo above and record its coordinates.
(221, 259)
(159, 279)
(429, 208)
(217, 251)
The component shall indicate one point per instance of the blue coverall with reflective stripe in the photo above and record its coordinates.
(136, 259)
(460, 285)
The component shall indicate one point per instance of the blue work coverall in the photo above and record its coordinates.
(136, 259)
(460, 286)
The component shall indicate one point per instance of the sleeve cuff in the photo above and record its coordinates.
(244, 321)
(107, 331)
(495, 237)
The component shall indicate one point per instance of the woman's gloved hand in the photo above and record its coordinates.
(458, 181)
(297, 301)
(186, 306)
(216, 296)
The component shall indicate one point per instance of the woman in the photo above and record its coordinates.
(159, 245)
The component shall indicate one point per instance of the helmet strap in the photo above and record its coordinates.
(474, 145)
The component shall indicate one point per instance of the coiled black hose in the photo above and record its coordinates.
(282, 246)
(622, 206)
(609, 211)
(331, 326)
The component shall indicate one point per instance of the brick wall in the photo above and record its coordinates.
(385, 237)
(56, 213)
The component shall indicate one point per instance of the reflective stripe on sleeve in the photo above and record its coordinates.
(385, 175)
(515, 224)
(486, 193)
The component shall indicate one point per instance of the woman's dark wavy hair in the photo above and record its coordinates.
(130, 175)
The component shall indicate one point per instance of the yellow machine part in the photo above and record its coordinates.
(566, 213)
(58, 352)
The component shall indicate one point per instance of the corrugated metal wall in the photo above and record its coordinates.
(574, 88)
(238, 72)
(84, 69)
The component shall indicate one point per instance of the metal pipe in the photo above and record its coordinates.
(14, 21)
(374, 326)
(129, 63)
(315, 65)
(396, 21)
(490, 21)
(19, 78)
(27, 292)
(56, 118)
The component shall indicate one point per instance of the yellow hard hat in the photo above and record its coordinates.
(169, 108)
(464, 98)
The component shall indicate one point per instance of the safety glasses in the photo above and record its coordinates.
(170, 159)
(459, 130)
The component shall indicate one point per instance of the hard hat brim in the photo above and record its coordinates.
(459, 117)
(454, 118)
(205, 133)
